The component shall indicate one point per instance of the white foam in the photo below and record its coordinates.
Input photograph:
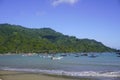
(68, 73)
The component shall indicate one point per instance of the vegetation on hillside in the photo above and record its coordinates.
(18, 39)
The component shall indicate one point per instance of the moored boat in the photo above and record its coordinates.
(56, 58)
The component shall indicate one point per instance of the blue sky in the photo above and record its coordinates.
(93, 19)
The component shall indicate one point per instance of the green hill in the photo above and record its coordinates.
(18, 39)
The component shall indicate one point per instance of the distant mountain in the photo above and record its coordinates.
(18, 39)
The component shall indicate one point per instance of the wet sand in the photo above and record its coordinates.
(13, 75)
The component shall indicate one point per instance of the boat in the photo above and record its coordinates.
(84, 54)
(93, 56)
(118, 53)
(56, 58)
(118, 56)
(76, 55)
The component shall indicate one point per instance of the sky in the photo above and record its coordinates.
(93, 19)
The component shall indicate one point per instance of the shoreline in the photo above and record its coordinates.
(15, 75)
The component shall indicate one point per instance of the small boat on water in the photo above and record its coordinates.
(118, 56)
(93, 56)
(84, 54)
(76, 55)
(118, 53)
(56, 58)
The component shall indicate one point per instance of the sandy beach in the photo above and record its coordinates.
(13, 75)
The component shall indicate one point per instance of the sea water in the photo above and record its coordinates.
(103, 66)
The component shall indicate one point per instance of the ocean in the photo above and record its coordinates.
(103, 66)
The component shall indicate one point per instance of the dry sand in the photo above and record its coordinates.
(12, 75)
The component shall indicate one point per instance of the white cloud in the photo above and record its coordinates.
(57, 2)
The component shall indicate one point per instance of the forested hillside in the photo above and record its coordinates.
(18, 39)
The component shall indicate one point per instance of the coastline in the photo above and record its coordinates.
(15, 75)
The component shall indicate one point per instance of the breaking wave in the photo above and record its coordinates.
(70, 73)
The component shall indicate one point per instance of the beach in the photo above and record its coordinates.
(14, 75)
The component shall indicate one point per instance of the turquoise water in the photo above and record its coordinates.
(103, 65)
